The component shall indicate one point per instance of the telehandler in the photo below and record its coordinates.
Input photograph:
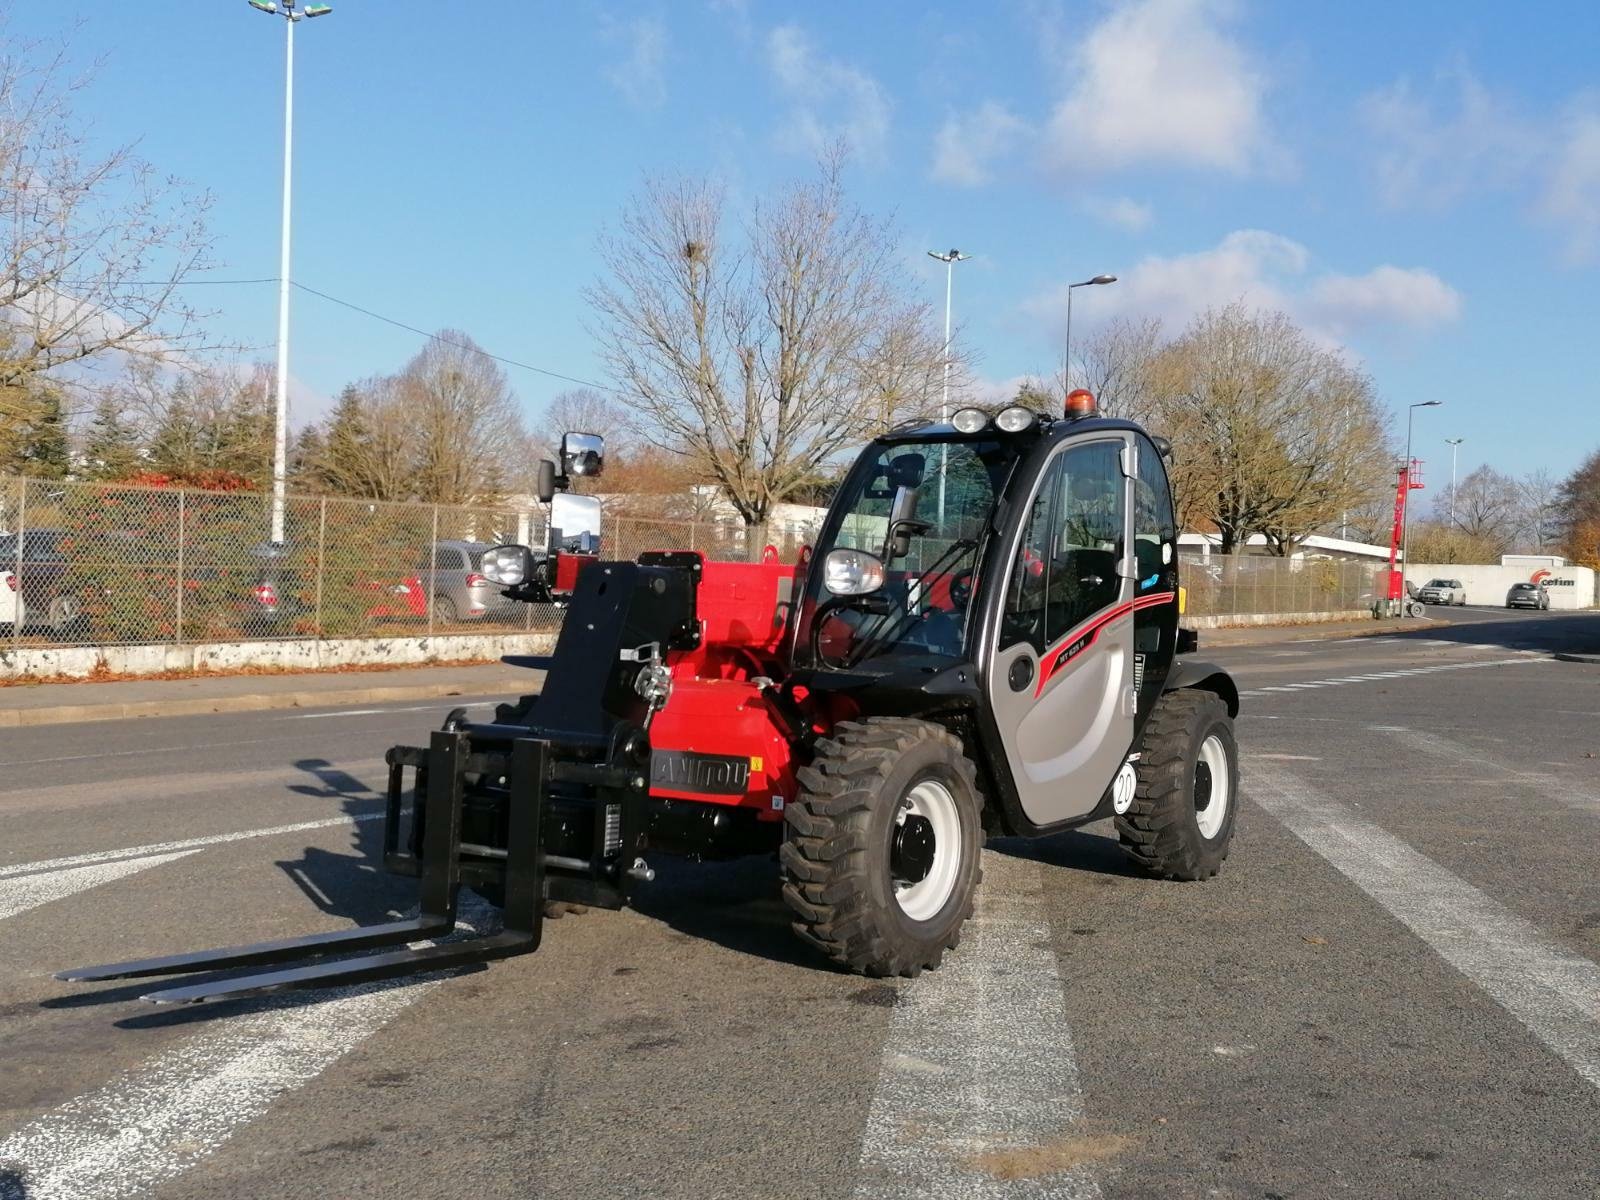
(985, 642)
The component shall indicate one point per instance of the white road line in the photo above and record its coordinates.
(161, 1118)
(1547, 785)
(30, 891)
(979, 1061)
(367, 712)
(1552, 991)
(215, 839)
(1372, 678)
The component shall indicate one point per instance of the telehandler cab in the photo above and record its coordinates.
(985, 642)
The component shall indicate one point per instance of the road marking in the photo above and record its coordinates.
(161, 1118)
(1285, 757)
(216, 839)
(1549, 786)
(367, 712)
(1553, 992)
(979, 1060)
(1346, 679)
(30, 891)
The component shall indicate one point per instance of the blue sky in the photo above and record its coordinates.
(1419, 182)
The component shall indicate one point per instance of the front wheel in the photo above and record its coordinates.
(1180, 823)
(880, 858)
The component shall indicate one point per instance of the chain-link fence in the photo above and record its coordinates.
(103, 564)
(1248, 585)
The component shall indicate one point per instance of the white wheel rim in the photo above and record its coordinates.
(932, 801)
(1212, 767)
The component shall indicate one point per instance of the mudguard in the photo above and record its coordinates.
(1186, 673)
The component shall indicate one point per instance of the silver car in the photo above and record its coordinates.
(1442, 591)
(1527, 595)
(460, 591)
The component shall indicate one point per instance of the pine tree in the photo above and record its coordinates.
(344, 463)
(111, 445)
(42, 449)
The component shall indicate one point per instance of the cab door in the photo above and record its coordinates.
(1060, 681)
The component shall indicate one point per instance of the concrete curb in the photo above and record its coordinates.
(63, 714)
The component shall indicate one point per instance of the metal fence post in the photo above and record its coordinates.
(22, 535)
(431, 557)
(177, 620)
(322, 563)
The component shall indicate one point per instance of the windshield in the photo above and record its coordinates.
(939, 498)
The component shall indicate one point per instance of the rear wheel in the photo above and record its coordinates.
(1180, 824)
(444, 610)
(880, 860)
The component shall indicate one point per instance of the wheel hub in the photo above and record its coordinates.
(912, 852)
(1202, 786)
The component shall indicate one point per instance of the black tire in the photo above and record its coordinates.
(444, 611)
(1161, 831)
(841, 836)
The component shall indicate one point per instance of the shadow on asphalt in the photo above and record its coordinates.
(1074, 850)
(13, 1186)
(354, 885)
(735, 905)
(1548, 631)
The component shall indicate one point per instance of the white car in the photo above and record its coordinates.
(1442, 591)
(11, 611)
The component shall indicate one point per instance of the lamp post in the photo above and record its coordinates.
(1066, 363)
(1405, 510)
(292, 12)
(1453, 443)
(949, 258)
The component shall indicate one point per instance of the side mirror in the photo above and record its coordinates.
(574, 524)
(906, 470)
(544, 485)
(582, 453)
(1163, 446)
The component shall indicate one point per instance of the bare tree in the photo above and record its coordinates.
(759, 355)
(1274, 433)
(1486, 508)
(1539, 512)
(1116, 366)
(97, 244)
(467, 435)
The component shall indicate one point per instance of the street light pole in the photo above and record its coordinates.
(1453, 443)
(1405, 509)
(949, 258)
(1066, 362)
(293, 12)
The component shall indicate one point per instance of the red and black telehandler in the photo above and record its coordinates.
(985, 642)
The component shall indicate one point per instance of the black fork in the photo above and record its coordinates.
(528, 775)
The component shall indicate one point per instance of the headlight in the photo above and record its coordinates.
(969, 420)
(506, 564)
(1015, 419)
(852, 572)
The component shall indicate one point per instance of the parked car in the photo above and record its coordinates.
(46, 601)
(10, 602)
(451, 576)
(1527, 595)
(1442, 591)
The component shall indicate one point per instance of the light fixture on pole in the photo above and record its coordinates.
(1453, 443)
(1405, 511)
(293, 12)
(949, 258)
(1066, 359)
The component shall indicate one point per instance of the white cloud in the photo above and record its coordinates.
(640, 76)
(832, 100)
(1120, 212)
(1264, 271)
(1161, 82)
(1439, 145)
(966, 147)
(1571, 194)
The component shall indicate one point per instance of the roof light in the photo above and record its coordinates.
(1080, 403)
(969, 420)
(1015, 419)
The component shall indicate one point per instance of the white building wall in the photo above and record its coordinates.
(1569, 587)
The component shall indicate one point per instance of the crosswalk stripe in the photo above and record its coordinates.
(19, 894)
(1552, 991)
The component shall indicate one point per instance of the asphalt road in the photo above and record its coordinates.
(1391, 990)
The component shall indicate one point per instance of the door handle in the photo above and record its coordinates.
(1021, 673)
(1092, 580)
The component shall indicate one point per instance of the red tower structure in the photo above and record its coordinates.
(1409, 478)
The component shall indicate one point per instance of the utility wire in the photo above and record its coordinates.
(367, 312)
